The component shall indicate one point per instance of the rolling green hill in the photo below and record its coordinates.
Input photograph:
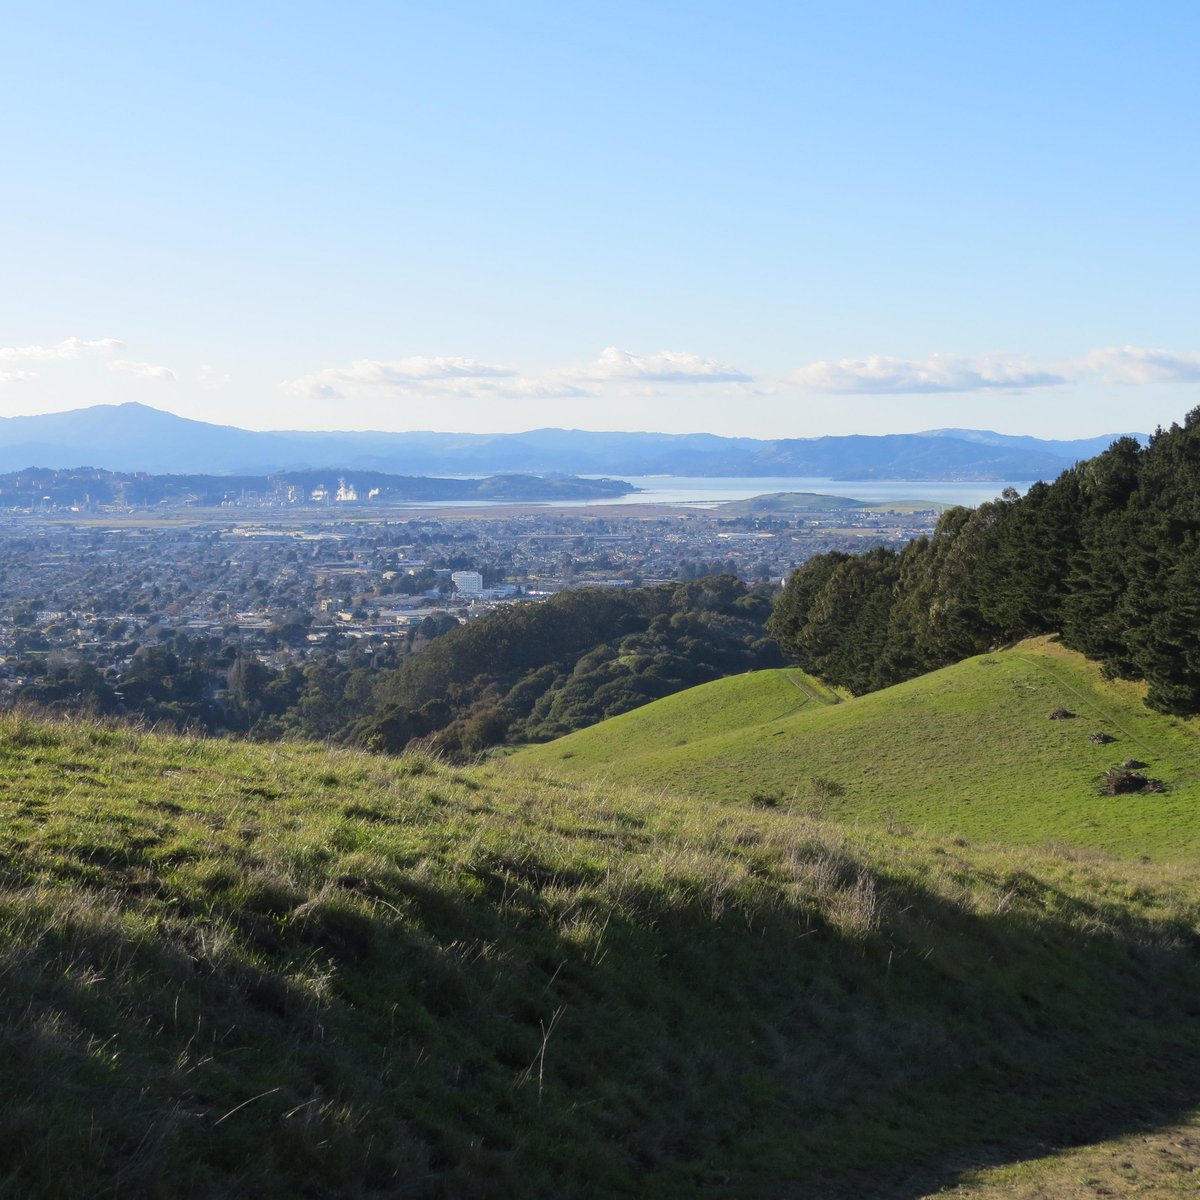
(788, 503)
(968, 750)
(231, 970)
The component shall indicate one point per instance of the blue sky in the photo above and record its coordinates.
(766, 219)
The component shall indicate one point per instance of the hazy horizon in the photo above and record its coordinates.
(647, 431)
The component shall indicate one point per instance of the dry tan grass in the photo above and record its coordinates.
(1160, 1162)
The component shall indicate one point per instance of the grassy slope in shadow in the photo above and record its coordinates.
(284, 971)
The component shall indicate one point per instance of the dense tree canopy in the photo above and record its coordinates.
(1108, 554)
(532, 672)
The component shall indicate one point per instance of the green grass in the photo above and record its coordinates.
(230, 970)
(787, 502)
(964, 751)
(907, 506)
(809, 502)
(738, 702)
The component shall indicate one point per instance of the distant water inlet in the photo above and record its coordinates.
(708, 492)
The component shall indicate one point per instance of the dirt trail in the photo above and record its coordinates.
(811, 692)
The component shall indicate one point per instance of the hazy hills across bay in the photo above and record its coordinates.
(134, 437)
(1076, 449)
(87, 486)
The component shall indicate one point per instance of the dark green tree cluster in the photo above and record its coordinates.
(205, 684)
(1108, 555)
(533, 672)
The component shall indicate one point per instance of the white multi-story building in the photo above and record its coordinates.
(469, 583)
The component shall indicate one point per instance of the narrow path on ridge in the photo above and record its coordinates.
(809, 691)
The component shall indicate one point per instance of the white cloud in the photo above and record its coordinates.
(211, 377)
(469, 377)
(142, 370)
(420, 368)
(668, 366)
(879, 375)
(68, 348)
(1134, 364)
(953, 373)
(17, 376)
(548, 387)
(311, 388)
(618, 374)
(415, 372)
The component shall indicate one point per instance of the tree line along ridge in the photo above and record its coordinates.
(1107, 555)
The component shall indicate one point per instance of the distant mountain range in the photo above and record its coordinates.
(133, 437)
(1074, 450)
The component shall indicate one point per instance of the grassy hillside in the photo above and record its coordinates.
(710, 710)
(967, 750)
(235, 971)
(789, 503)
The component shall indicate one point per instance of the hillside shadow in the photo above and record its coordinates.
(731, 1049)
(1049, 1040)
(675, 1037)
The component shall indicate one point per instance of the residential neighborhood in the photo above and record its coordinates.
(79, 593)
